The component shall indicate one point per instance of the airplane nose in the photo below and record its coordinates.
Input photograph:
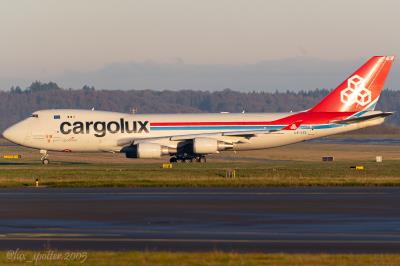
(14, 134)
(7, 134)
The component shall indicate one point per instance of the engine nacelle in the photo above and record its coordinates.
(146, 150)
(208, 145)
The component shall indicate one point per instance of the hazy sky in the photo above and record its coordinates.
(47, 39)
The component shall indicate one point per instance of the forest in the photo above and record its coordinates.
(17, 103)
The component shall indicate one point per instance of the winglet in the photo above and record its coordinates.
(293, 126)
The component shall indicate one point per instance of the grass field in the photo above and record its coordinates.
(213, 258)
(202, 175)
(295, 165)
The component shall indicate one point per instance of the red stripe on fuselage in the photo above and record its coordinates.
(305, 117)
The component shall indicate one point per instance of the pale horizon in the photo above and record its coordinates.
(74, 42)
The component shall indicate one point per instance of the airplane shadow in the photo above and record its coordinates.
(68, 163)
(54, 163)
(16, 163)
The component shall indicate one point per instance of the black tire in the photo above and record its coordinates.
(45, 161)
(203, 159)
(172, 160)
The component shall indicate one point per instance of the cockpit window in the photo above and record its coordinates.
(35, 115)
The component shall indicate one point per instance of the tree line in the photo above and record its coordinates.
(17, 103)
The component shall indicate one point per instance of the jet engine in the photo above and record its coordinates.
(208, 145)
(146, 150)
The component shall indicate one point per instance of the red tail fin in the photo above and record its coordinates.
(361, 90)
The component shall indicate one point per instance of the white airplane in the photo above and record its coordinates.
(189, 137)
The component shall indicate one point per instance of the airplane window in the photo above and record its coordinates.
(35, 115)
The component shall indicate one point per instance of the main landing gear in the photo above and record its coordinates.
(44, 158)
(188, 159)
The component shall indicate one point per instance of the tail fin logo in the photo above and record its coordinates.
(355, 92)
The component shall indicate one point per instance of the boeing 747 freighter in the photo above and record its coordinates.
(190, 137)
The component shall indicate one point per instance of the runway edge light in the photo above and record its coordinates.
(357, 167)
(167, 165)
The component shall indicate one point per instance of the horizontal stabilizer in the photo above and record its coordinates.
(362, 118)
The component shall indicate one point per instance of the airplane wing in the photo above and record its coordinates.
(240, 136)
(362, 118)
(244, 134)
(241, 133)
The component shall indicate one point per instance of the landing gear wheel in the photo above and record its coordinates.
(173, 160)
(44, 159)
(203, 159)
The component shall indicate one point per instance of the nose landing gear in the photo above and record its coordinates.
(44, 157)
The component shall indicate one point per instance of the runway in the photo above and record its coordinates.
(182, 219)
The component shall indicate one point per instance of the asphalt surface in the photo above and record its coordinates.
(243, 220)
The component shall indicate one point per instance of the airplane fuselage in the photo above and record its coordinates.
(93, 131)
